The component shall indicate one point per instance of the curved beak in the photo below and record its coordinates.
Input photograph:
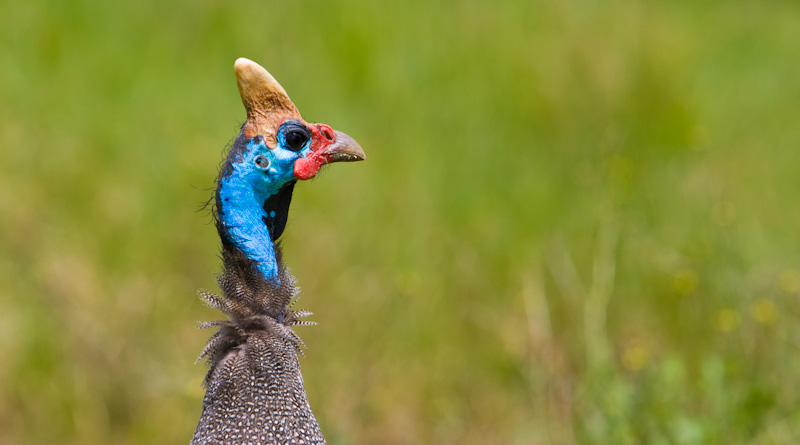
(345, 149)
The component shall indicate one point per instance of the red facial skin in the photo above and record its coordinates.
(322, 136)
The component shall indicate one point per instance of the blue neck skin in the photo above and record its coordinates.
(242, 194)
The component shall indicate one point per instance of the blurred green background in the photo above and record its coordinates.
(578, 222)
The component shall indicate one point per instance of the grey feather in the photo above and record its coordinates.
(254, 390)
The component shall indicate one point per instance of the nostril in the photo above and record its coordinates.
(327, 132)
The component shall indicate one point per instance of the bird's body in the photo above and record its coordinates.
(254, 389)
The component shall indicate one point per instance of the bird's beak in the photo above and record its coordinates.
(342, 149)
(345, 149)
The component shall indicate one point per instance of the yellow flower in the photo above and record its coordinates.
(727, 320)
(764, 311)
(634, 357)
(685, 281)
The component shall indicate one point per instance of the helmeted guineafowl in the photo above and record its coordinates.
(254, 390)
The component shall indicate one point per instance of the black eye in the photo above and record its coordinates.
(262, 162)
(296, 136)
(296, 139)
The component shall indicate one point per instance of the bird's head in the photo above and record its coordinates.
(279, 146)
(275, 148)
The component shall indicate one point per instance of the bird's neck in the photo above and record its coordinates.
(244, 222)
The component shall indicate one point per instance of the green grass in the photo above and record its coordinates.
(578, 222)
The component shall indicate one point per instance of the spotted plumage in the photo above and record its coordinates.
(254, 389)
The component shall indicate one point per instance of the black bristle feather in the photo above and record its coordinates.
(254, 305)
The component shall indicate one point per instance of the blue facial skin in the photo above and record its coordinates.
(258, 173)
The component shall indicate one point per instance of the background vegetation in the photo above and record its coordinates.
(578, 222)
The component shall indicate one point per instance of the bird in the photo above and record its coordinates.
(254, 388)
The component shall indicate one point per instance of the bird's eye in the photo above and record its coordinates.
(295, 136)
(262, 162)
(296, 139)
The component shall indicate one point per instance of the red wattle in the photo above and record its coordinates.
(307, 168)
